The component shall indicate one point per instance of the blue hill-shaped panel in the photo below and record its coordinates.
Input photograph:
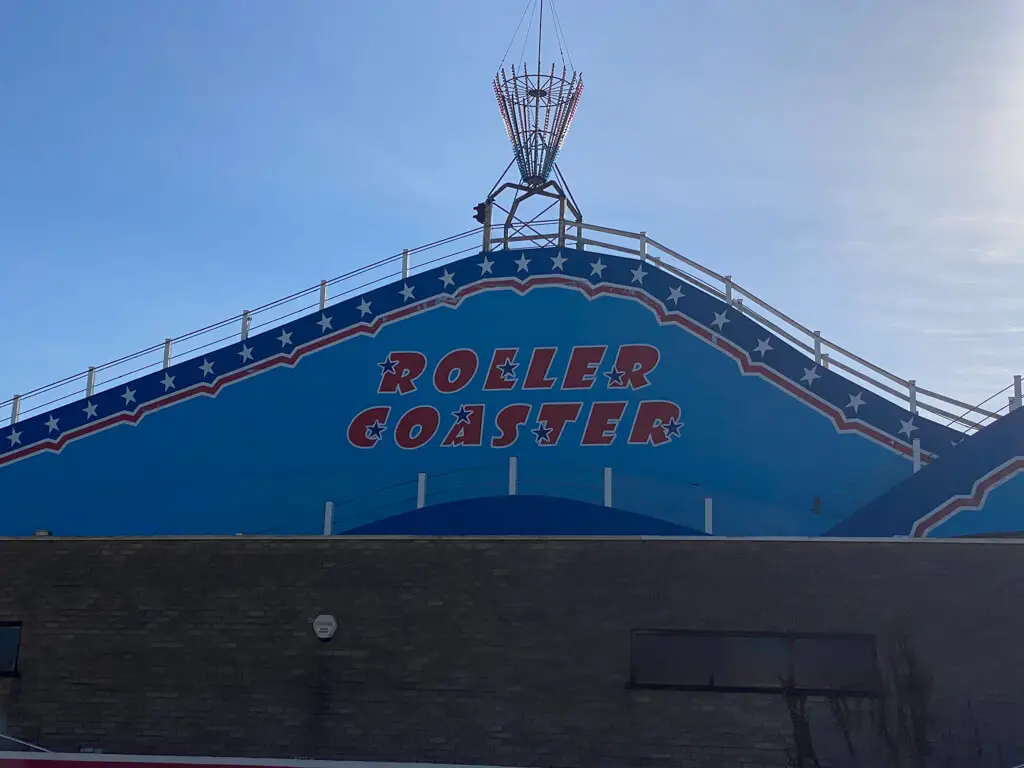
(569, 361)
(521, 516)
(973, 489)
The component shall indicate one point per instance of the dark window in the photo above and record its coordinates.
(10, 642)
(753, 661)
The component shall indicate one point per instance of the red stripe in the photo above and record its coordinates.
(980, 490)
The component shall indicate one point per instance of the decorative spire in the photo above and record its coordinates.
(538, 109)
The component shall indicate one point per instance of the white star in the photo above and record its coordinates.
(14, 437)
(558, 261)
(908, 426)
(129, 396)
(720, 320)
(168, 382)
(246, 353)
(447, 279)
(285, 338)
(325, 323)
(638, 274)
(522, 264)
(406, 292)
(675, 294)
(363, 307)
(89, 411)
(51, 424)
(206, 368)
(597, 268)
(856, 401)
(485, 266)
(810, 374)
(763, 345)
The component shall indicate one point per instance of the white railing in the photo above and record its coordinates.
(564, 232)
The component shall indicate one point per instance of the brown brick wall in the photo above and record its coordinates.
(493, 651)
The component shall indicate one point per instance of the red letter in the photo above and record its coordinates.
(468, 428)
(540, 364)
(602, 422)
(367, 427)
(417, 426)
(460, 362)
(656, 422)
(508, 420)
(399, 372)
(498, 378)
(583, 364)
(555, 416)
(636, 361)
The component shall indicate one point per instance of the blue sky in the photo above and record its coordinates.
(167, 164)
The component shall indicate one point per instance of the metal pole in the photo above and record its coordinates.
(917, 454)
(707, 515)
(329, 518)
(512, 479)
(488, 208)
(90, 381)
(817, 347)
(728, 289)
(246, 320)
(824, 360)
(323, 294)
(15, 408)
(168, 347)
(607, 486)
(912, 395)
(421, 490)
(561, 223)
(643, 246)
(405, 263)
(1017, 391)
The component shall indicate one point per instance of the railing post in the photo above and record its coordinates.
(561, 222)
(912, 395)
(512, 479)
(90, 381)
(917, 454)
(15, 408)
(405, 263)
(728, 289)
(643, 246)
(168, 348)
(329, 518)
(246, 322)
(707, 515)
(488, 207)
(323, 294)
(817, 347)
(579, 234)
(421, 490)
(1017, 392)
(824, 360)
(607, 486)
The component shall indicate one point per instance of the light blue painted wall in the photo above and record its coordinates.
(266, 452)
